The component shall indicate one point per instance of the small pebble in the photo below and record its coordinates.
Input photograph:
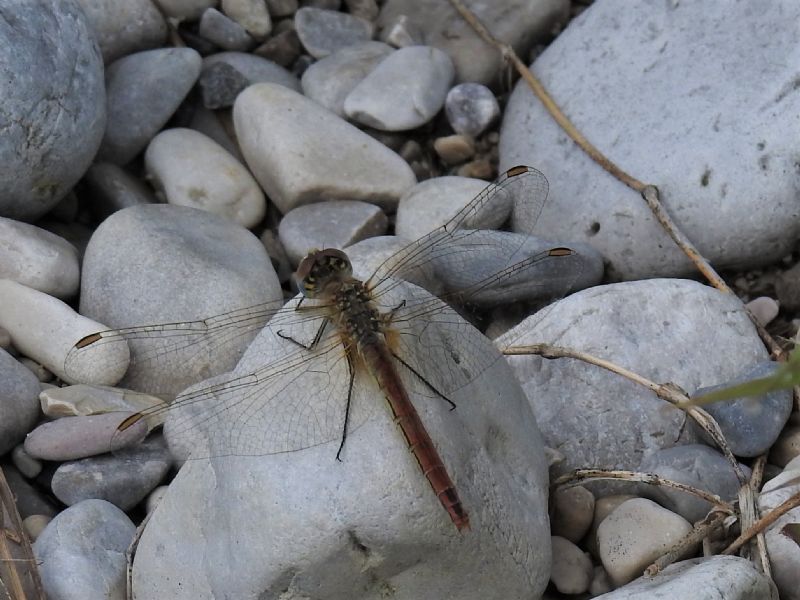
(27, 465)
(573, 512)
(252, 15)
(111, 188)
(34, 525)
(124, 478)
(277, 254)
(334, 224)
(185, 10)
(323, 32)
(454, 149)
(81, 553)
(282, 48)
(143, 91)
(471, 108)
(70, 438)
(635, 534)
(209, 123)
(226, 74)
(330, 79)
(751, 424)
(764, 309)
(224, 32)
(39, 259)
(602, 508)
(125, 28)
(787, 288)
(190, 169)
(478, 169)
(19, 405)
(572, 570)
(364, 9)
(600, 584)
(29, 500)
(282, 8)
(404, 91)
(401, 32)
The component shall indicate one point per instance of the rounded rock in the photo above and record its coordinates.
(224, 32)
(471, 108)
(111, 188)
(159, 263)
(29, 500)
(787, 446)
(634, 535)
(124, 479)
(38, 259)
(301, 153)
(190, 169)
(125, 28)
(698, 466)
(764, 308)
(70, 438)
(753, 423)
(34, 525)
(329, 80)
(19, 401)
(454, 149)
(573, 513)
(185, 10)
(144, 90)
(27, 464)
(323, 32)
(82, 552)
(54, 105)
(250, 14)
(572, 569)
(335, 224)
(226, 74)
(404, 91)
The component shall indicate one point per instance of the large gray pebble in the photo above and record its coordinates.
(110, 188)
(302, 153)
(666, 330)
(517, 22)
(323, 32)
(165, 264)
(329, 80)
(680, 140)
(19, 401)
(81, 552)
(335, 224)
(225, 74)
(144, 89)
(404, 91)
(38, 259)
(752, 424)
(374, 504)
(712, 578)
(253, 15)
(124, 478)
(698, 466)
(70, 438)
(54, 111)
(29, 499)
(123, 28)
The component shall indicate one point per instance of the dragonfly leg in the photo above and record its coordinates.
(425, 381)
(314, 342)
(389, 316)
(347, 406)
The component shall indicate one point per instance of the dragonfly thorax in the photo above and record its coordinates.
(322, 272)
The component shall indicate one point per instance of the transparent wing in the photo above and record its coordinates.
(296, 400)
(473, 261)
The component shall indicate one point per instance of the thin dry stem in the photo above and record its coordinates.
(764, 522)
(698, 533)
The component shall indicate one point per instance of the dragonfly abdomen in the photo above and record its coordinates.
(380, 364)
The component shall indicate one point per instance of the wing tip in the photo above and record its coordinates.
(87, 340)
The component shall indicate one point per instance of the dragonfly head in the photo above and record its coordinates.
(320, 270)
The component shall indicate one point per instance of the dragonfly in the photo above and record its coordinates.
(358, 328)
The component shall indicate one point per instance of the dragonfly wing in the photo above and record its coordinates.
(454, 241)
(167, 357)
(296, 400)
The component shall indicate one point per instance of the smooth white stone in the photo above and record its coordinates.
(302, 153)
(190, 169)
(45, 329)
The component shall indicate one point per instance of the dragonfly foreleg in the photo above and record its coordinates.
(389, 316)
(352, 370)
(425, 381)
(314, 342)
